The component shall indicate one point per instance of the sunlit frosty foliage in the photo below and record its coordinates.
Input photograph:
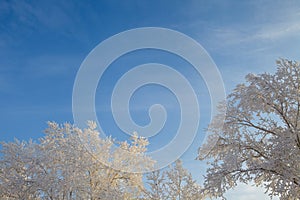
(70, 163)
(174, 183)
(260, 139)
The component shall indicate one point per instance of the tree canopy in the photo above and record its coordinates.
(70, 163)
(173, 183)
(259, 141)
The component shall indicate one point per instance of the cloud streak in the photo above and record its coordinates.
(247, 192)
(267, 23)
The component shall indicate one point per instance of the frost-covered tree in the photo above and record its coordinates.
(70, 163)
(17, 175)
(260, 140)
(156, 181)
(173, 183)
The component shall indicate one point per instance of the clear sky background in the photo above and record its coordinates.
(42, 44)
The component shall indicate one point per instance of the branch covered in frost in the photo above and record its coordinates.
(260, 138)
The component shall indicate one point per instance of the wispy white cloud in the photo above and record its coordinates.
(55, 16)
(60, 18)
(263, 33)
(267, 23)
(279, 30)
(247, 192)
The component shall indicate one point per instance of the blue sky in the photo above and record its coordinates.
(43, 43)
